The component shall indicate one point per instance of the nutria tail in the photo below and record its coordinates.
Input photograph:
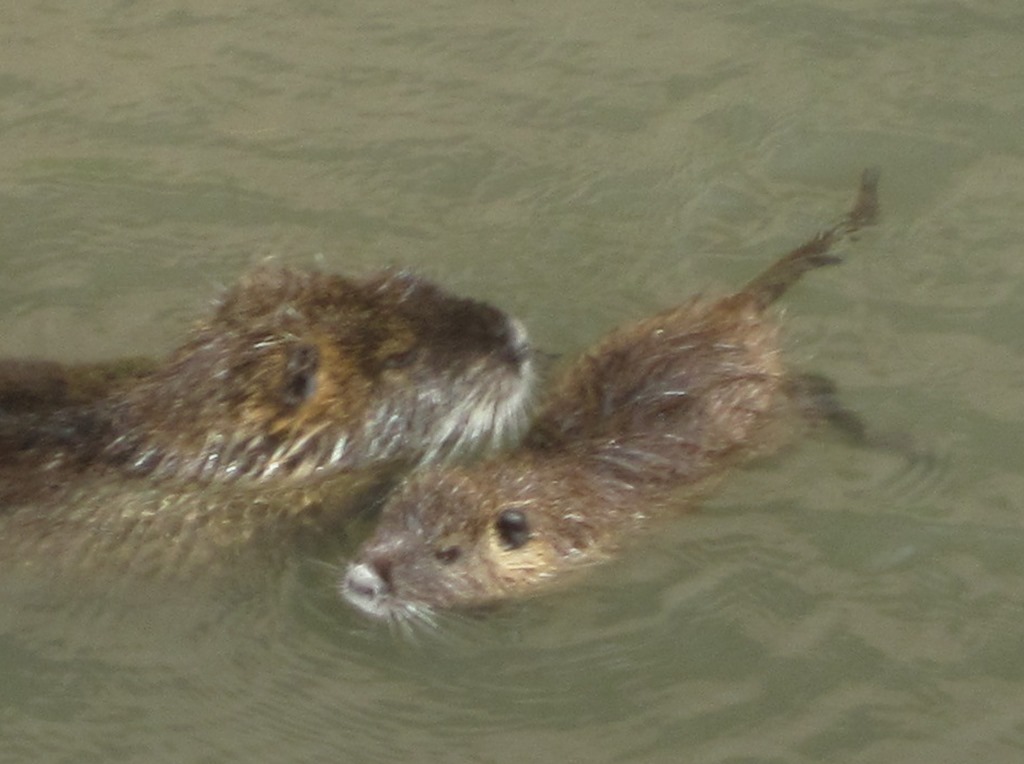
(781, 275)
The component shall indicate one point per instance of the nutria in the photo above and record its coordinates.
(296, 373)
(643, 422)
(301, 388)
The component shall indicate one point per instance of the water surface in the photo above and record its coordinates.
(580, 164)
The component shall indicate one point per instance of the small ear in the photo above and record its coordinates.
(513, 528)
(446, 555)
(399, 360)
(300, 374)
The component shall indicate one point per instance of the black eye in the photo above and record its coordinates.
(300, 374)
(513, 528)
(448, 554)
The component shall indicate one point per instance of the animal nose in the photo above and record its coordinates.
(368, 581)
(517, 350)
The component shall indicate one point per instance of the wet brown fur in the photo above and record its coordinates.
(296, 378)
(295, 372)
(646, 420)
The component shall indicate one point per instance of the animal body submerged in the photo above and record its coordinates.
(646, 420)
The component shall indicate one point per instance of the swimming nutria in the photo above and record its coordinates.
(643, 422)
(296, 373)
(301, 391)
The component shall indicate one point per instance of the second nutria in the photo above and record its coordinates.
(643, 422)
(296, 373)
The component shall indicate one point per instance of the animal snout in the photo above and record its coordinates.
(369, 581)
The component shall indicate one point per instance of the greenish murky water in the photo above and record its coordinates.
(580, 164)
